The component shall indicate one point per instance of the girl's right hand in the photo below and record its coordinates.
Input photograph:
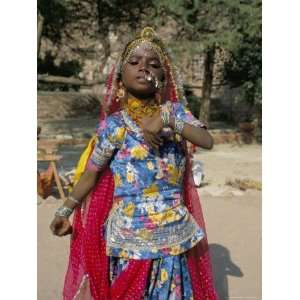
(61, 226)
(151, 128)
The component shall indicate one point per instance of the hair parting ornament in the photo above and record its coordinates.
(149, 41)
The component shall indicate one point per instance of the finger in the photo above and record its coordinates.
(68, 231)
(67, 228)
(151, 144)
(157, 140)
(58, 228)
(53, 227)
(61, 231)
(154, 145)
(147, 139)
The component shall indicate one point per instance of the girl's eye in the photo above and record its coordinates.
(155, 66)
(133, 62)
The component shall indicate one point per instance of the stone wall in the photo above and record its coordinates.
(66, 105)
(83, 44)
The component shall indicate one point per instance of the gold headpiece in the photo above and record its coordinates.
(149, 39)
(148, 33)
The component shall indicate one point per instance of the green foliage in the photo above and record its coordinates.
(245, 62)
(111, 14)
(115, 12)
(193, 102)
(233, 25)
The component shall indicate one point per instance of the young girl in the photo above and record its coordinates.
(138, 230)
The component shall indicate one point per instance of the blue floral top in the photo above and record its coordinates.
(148, 218)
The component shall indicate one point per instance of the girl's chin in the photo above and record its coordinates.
(142, 93)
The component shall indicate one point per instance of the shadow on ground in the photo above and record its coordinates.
(222, 267)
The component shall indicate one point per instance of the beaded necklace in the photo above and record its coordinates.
(138, 109)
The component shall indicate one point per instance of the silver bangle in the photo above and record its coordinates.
(165, 116)
(64, 211)
(179, 125)
(71, 198)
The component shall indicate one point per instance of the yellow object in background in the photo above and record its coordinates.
(81, 165)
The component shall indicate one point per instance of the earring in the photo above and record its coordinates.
(120, 92)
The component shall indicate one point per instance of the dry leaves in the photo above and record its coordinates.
(244, 184)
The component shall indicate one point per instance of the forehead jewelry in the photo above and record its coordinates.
(145, 45)
(147, 41)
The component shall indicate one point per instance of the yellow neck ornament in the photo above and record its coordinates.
(138, 109)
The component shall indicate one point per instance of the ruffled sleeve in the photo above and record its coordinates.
(110, 136)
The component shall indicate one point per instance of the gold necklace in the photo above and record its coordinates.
(138, 109)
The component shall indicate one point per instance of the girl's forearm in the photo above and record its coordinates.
(86, 182)
(196, 135)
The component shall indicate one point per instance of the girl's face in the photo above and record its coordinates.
(141, 61)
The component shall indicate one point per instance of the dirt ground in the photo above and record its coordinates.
(233, 220)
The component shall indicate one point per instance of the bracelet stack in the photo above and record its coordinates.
(179, 125)
(165, 116)
(64, 211)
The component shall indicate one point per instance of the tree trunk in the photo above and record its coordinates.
(204, 114)
(103, 33)
(40, 24)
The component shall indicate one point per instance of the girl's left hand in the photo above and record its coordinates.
(151, 127)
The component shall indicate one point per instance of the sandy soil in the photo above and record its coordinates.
(233, 220)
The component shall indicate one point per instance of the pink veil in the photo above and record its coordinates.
(87, 275)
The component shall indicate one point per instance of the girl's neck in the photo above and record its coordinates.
(146, 99)
(138, 109)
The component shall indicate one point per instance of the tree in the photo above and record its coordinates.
(40, 26)
(243, 69)
(226, 24)
(204, 113)
(53, 15)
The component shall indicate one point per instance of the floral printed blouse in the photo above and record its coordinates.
(148, 218)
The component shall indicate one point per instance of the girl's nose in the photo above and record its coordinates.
(144, 65)
(144, 71)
